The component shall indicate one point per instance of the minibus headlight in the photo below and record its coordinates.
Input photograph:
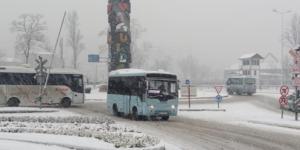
(151, 107)
(173, 107)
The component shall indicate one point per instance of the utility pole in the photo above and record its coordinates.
(282, 14)
(61, 46)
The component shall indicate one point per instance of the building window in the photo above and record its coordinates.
(246, 62)
(246, 72)
(255, 62)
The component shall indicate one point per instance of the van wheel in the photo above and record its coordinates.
(134, 115)
(13, 102)
(66, 102)
(250, 94)
(165, 118)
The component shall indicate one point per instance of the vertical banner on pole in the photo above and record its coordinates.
(119, 35)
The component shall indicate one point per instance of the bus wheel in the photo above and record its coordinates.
(165, 118)
(66, 102)
(134, 114)
(115, 111)
(13, 102)
(250, 94)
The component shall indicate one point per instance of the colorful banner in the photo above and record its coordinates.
(119, 37)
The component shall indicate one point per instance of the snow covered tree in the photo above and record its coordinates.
(29, 29)
(74, 39)
(293, 34)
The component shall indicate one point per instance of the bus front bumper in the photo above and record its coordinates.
(160, 112)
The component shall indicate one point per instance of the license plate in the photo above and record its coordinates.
(163, 113)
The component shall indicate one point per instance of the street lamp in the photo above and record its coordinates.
(282, 13)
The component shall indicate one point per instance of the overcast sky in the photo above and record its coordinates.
(217, 31)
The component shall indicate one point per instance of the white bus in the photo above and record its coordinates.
(18, 86)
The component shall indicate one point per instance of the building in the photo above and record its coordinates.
(266, 70)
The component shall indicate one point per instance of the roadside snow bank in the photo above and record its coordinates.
(100, 128)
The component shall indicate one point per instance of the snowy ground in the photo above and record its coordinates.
(247, 114)
(96, 95)
(51, 128)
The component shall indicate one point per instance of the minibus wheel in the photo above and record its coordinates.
(134, 114)
(165, 118)
(66, 102)
(13, 102)
(115, 111)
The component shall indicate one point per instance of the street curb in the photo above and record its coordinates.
(275, 125)
(202, 110)
(26, 111)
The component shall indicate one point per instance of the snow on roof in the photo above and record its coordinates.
(42, 53)
(270, 62)
(246, 56)
(136, 72)
(236, 66)
(9, 59)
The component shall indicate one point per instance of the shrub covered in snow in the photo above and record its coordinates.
(97, 127)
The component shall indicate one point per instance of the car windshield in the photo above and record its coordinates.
(162, 87)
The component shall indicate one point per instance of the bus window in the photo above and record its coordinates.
(162, 87)
(173, 88)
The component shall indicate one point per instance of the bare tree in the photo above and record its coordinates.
(292, 36)
(75, 37)
(29, 29)
(139, 53)
(46, 45)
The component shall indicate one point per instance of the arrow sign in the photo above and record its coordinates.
(219, 88)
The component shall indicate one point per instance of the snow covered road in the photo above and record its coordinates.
(207, 130)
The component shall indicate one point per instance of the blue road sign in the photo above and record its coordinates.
(93, 58)
(219, 98)
(187, 82)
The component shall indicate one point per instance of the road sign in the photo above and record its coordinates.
(41, 70)
(93, 58)
(219, 88)
(296, 81)
(295, 54)
(283, 100)
(284, 90)
(219, 98)
(188, 82)
(296, 68)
